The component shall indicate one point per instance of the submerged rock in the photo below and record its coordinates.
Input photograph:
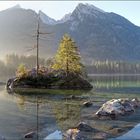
(87, 104)
(116, 131)
(133, 134)
(82, 126)
(83, 131)
(116, 107)
(29, 135)
(100, 136)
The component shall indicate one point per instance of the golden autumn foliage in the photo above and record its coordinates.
(68, 57)
(21, 71)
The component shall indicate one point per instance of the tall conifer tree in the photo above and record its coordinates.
(68, 57)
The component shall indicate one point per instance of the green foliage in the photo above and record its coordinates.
(68, 57)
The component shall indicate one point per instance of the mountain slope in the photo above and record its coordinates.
(99, 34)
(46, 19)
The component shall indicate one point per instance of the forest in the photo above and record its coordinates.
(110, 67)
(12, 61)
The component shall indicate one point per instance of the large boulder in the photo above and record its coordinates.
(83, 131)
(82, 126)
(116, 107)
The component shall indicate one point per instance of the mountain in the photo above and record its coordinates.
(65, 18)
(46, 19)
(99, 35)
(15, 7)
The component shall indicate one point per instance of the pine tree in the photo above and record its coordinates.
(68, 57)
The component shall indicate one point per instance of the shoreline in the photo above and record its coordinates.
(113, 74)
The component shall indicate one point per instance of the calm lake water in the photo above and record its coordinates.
(19, 112)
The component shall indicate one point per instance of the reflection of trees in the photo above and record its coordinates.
(21, 102)
(66, 112)
(107, 84)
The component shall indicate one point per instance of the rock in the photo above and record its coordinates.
(113, 126)
(51, 81)
(100, 136)
(116, 131)
(133, 134)
(78, 133)
(9, 84)
(87, 104)
(128, 106)
(72, 134)
(113, 115)
(116, 107)
(135, 102)
(75, 134)
(29, 135)
(128, 126)
(82, 132)
(82, 126)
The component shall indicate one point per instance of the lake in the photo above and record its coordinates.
(52, 111)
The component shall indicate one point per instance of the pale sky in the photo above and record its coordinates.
(57, 9)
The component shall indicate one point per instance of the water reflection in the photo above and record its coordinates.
(117, 83)
(64, 110)
(21, 102)
(59, 110)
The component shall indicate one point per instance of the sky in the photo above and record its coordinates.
(57, 9)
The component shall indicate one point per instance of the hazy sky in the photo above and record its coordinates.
(57, 9)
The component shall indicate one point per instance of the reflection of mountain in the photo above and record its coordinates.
(99, 34)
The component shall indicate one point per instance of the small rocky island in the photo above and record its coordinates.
(65, 71)
(51, 81)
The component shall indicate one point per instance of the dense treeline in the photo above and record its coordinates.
(12, 61)
(113, 67)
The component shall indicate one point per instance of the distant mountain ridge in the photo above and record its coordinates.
(99, 35)
(46, 19)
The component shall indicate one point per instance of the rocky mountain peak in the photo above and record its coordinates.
(15, 7)
(46, 19)
(87, 9)
(65, 18)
